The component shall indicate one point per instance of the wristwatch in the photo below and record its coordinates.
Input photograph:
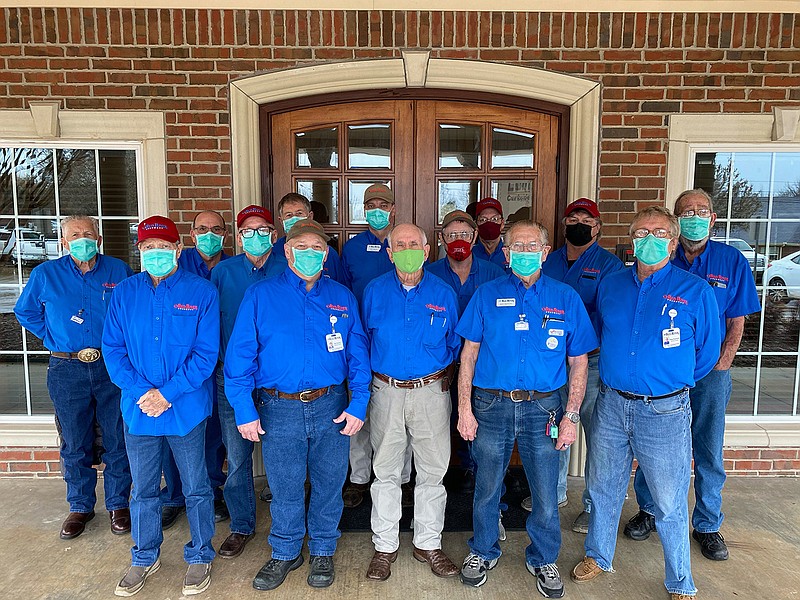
(573, 416)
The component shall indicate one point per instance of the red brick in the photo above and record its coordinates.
(27, 467)
(786, 453)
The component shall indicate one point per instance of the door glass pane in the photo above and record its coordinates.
(369, 146)
(12, 385)
(36, 193)
(749, 238)
(35, 241)
(77, 181)
(459, 146)
(10, 329)
(317, 149)
(457, 195)
(355, 195)
(516, 196)
(119, 241)
(776, 386)
(324, 197)
(118, 183)
(782, 274)
(743, 376)
(6, 181)
(512, 149)
(37, 374)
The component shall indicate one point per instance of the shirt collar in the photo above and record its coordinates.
(654, 279)
(300, 284)
(75, 268)
(680, 255)
(535, 288)
(473, 268)
(169, 282)
(417, 288)
(373, 239)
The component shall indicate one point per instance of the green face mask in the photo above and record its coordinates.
(651, 250)
(288, 223)
(308, 262)
(83, 249)
(159, 261)
(409, 261)
(525, 264)
(695, 228)
(209, 243)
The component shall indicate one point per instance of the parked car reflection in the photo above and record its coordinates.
(783, 278)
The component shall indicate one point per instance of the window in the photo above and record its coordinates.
(38, 186)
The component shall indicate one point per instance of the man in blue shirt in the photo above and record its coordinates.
(160, 344)
(410, 317)
(520, 331)
(728, 273)
(582, 264)
(64, 303)
(209, 232)
(489, 217)
(659, 336)
(299, 344)
(364, 257)
(291, 208)
(232, 278)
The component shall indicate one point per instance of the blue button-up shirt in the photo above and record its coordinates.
(232, 278)
(526, 335)
(498, 257)
(65, 308)
(634, 316)
(331, 268)
(191, 261)
(412, 333)
(163, 337)
(281, 337)
(728, 273)
(585, 274)
(480, 272)
(364, 257)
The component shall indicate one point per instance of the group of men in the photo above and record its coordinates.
(364, 362)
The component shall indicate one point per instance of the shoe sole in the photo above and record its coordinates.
(541, 588)
(72, 537)
(128, 592)
(321, 585)
(422, 560)
(199, 589)
(709, 556)
(474, 582)
(295, 565)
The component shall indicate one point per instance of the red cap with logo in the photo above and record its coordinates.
(488, 202)
(160, 228)
(253, 211)
(590, 206)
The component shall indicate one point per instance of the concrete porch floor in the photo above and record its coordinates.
(762, 530)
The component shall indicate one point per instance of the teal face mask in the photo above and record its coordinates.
(309, 261)
(525, 264)
(651, 250)
(209, 243)
(288, 223)
(159, 261)
(257, 245)
(83, 249)
(378, 218)
(695, 228)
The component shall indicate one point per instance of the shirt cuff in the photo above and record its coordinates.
(358, 406)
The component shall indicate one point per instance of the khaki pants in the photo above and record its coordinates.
(399, 418)
(361, 458)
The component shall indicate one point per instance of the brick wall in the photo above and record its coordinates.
(179, 61)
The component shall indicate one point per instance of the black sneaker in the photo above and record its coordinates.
(548, 580)
(170, 514)
(712, 545)
(640, 526)
(274, 572)
(220, 511)
(320, 571)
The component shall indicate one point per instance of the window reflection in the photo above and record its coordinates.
(355, 198)
(516, 196)
(457, 195)
(317, 149)
(459, 146)
(512, 148)
(369, 146)
(13, 398)
(324, 197)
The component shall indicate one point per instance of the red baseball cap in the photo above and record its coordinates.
(253, 211)
(590, 206)
(160, 228)
(488, 202)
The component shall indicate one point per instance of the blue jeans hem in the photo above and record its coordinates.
(197, 561)
(173, 505)
(138, 563)
(80, 509)
(121, 506)
(323, 553)
(278, 556)
(243, 532)
(539, 566)
(679, 591)
(709, 531)
(601, 563)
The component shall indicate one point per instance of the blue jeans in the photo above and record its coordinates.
(709, 399)
(82, 393)
(658, 433)
(239, 494)
(500, 422)
(172, 493)
(587, 407)
(145, 452)
(301, 438)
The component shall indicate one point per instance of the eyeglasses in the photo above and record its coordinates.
(262, 231)
(529, 247)
(218, 229)
(643, 233)
(573, 220)
(700, 212)
(458, 235)
(495, 219)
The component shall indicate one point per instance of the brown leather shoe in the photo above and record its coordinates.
(120, 521)
(586, 570)
(440, 564)
(74, 524)
(234, 545)
(353, 494)
(380, 566)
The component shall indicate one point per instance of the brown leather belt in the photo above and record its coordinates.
(632, 396)
(87, 355)
(518, 395)
(304, 396)
(595, 351)
(412, 384)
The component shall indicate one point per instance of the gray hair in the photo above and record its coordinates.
(695, 192)
(545, 237)
(657, 211)
(421, 231)
(75, 218)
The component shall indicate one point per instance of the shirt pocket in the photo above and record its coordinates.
(554, 334)
(184, 327)
(434, 331)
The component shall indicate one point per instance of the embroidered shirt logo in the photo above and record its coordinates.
(435, 308)
(678, 299)
(337, 307)
(109, 285)
(553, 311)
(180, 306)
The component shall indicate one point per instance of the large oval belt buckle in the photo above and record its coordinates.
(88, 355)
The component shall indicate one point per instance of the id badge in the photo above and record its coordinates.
(671, 338)
(373, 248)
(334, 342)
(76, 319)
(521, 326)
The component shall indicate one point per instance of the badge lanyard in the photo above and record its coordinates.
(334, 340)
